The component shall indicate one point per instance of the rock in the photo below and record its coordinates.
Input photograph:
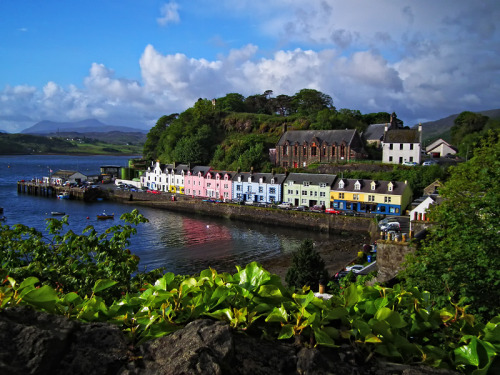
(39, 343)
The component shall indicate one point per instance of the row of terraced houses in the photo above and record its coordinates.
(299, 189)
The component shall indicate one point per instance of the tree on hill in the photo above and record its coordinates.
(460, 258)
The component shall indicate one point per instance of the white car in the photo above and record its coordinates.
(429, 162)
(410, 163)
(285, 205)
(354, 268)
(394, 225)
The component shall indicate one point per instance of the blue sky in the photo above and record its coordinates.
(128, 62)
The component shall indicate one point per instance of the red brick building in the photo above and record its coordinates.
(299, 148)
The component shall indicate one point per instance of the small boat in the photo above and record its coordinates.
(57, 213)
(63, 195)
(105, 216)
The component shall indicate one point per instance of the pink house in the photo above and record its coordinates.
(219, 185)
(194, 181)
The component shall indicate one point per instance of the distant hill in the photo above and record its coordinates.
(441, 128)
(84, 126)
(112, 137)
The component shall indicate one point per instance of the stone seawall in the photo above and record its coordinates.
(390, 258)
(263, 215)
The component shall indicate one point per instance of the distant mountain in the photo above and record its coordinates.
(85, 126)
(441, 128)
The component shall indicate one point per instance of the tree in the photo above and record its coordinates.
(307, 269)
(150, 149)
(310, 101)
(460, 258)
(467, 123)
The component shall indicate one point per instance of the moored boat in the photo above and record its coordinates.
(63, 195)
(57, 213)
(105, 216)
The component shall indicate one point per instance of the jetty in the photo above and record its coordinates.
(88, 194)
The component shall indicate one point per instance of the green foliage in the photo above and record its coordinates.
(460, 258)
(307, 268)
(466, 123)
(400, 324)
(71, 262)
(28, 144)
(394, 323)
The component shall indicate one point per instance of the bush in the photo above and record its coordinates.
(308, 268)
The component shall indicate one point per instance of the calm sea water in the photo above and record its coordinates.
(182, 243)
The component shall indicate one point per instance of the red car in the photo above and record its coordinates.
(332, 211)
(153, 191)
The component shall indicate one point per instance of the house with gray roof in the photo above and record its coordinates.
(299, 148)
(306, 189)
(258, 187)
(401, 145)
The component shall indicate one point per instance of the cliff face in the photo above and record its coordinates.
(39, 343)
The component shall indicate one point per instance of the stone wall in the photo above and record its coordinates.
(390, 256)
(263, 215)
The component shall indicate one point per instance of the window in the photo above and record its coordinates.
(357, 186)
(355, 197)
(390, 146)
(249, 188)
(322, 203)
(272, 190)
(373, 185)
(322, 194)
(238, 187)
(305, 183)
(295, 151)
(304, 150)
(304, 192)
(209, 184)
(322, 185)
(285, 150)
(387, 199)
(400, 146)
(341, 195)
(290, 192)
(261, 189)
(290, 183)
(313, 151)
(371, 198)
(390, 158)
(324, 151)
(400, 159)
(390, 186)
(226, 186)
(341, 184)
(411, 146)
(411, 158)
(304, 201)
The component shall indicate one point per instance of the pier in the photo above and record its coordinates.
(50, 190)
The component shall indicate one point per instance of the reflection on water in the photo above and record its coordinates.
(182, 243)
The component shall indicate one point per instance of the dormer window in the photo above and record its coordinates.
(239, 178)
(390, 186)
(341, 184)
(249, 179)
(272, 181)
(225, 178)
(290, 183)
(305, 183)
(261, 180)
(373, 185)
(357, 185)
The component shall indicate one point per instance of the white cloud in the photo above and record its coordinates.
(169, 14)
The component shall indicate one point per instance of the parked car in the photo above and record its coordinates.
(410, 163)
(300, 208)
(316, 208)
(395, 226)
(332, 211)
(354, 268)
(429, 162)
(285, 205)
(387, 220)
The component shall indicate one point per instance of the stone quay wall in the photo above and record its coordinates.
(263, 215)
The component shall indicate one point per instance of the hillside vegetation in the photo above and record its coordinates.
(236, 132)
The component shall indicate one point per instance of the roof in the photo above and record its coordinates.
(266, 177)
(314, 179)
(402, 136)
(381, 187)
(328, 136)
(200, 169)
(374, 132)
(65, 173)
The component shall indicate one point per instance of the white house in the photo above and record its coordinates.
(401, 145)
(62, 176)
(419, 213)
(440, 148)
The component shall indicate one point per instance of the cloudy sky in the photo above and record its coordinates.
(128, 62)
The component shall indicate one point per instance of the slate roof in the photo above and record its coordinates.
(314, 179)
(64, 173)
(381, 187)
(200, 169)
(328, 136)
(266, 177)
(402, 136)
(374, 132)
